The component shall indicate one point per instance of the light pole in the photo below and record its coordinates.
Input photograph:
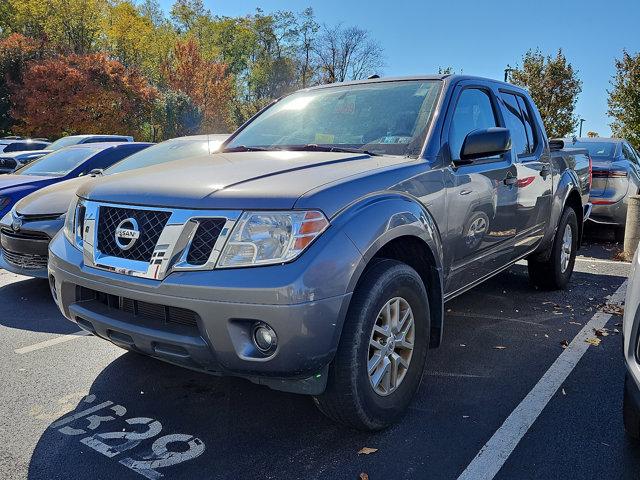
(582, 120)
(507, 71)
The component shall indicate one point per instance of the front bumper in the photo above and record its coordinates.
(225, 304)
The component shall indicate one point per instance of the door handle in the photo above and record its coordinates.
(545, 172)
(510, 180)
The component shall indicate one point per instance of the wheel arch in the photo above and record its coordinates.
(398, 227)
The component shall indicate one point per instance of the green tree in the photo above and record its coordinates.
(176, 115)
(554, 86)
(624, 98)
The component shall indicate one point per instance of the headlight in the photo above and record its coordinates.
(263, 238)
(74, 222)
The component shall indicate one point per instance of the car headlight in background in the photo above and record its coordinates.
(74, 222)
(264, 238)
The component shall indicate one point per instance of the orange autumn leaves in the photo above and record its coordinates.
(59, 94)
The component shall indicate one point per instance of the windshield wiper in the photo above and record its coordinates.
(244, 148)
(312, 147)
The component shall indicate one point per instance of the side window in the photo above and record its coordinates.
(515, 123)
(473, 112)
(105, 159)
(629, 154)
(525, 109)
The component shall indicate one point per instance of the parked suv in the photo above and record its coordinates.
(616, 176)
(315, 252)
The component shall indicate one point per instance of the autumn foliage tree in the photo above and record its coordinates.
(15, 51)
(207, 83)
(624, 98)
(554, 86)
(80, 94)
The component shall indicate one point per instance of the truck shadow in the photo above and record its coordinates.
(27, 305)
(249, 431)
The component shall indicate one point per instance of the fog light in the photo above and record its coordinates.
(264, 337)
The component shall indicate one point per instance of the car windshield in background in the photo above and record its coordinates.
(597, 149)
(57, 164)
(160, 153)
(388, 118)
(62, 142)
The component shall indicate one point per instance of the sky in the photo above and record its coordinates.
(483, 37)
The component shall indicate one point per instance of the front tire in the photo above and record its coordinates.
(381, 355)
(555, 273)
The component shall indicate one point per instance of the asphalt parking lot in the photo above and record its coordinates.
(75, 407)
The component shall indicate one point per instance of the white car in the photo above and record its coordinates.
(630, 330)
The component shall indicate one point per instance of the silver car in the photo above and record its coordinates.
(616, 176)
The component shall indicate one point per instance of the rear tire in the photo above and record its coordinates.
(555, 273)
(351, 398)
(630, 412)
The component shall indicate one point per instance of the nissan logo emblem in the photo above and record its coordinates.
(127, 233)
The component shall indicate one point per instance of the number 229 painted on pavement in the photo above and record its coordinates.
(114, 443)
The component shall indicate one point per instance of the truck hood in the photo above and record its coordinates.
(53, 199)
(245, 180)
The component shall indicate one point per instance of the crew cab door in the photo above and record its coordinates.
(480, 196)
(533, 165)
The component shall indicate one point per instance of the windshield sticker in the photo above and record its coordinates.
(322, 138)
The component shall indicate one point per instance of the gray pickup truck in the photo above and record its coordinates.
(315, 252)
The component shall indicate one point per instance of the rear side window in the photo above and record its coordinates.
(108, 157)
(515, 123)
(525, 109)
(24, 146)
(629, 154)
(473, 111)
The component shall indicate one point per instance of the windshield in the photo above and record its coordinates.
(598, 149)
(389, 118)
(57, 164)
(161, 153)
(63, 142)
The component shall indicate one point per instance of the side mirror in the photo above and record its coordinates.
(485, 143)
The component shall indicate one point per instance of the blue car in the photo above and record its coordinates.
(63, 164)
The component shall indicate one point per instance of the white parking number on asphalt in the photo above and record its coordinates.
(147, 464)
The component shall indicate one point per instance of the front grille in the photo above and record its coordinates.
(138, 308)
(205, 238)
(150, 222)
(24, 234)
(25, 261)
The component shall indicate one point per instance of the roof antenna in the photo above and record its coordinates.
(372, 77)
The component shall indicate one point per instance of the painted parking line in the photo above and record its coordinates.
(51, 342)
(600, 260)
(493, 455)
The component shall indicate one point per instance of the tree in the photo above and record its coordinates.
(185, 14)
(206, 83)
(624, 99)
(592, 134)
(347, 54)
(15, 51)
(554, 86)
(80, 94)
(176, 115)
(308, 31)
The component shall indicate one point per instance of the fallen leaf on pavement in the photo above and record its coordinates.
(600, 332)
(593, 341)
(563, 392)
(367, 451)
(363, 476)
(613, 309)
(499, 347)
(575, 323)
(564, 343)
